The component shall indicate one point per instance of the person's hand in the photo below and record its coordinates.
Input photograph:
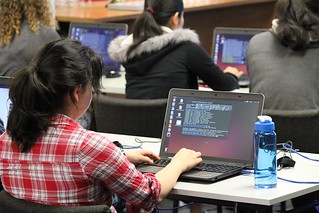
(141, 156)
(234, 71)
(185, 159)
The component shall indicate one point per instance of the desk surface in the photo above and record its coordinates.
(116, 86)
(96, 11)
(241, 188)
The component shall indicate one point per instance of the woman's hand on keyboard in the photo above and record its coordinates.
(186, 159)
(141, 156)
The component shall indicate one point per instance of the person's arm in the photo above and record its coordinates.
(184, 160)
(201, 65)
(103, 161)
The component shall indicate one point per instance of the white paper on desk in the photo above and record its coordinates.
(130, 5)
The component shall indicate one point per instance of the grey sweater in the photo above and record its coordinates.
(23, 48)
(287, 78)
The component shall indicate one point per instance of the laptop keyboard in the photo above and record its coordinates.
(208, 167)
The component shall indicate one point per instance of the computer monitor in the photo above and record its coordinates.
(98, 36)
(5, 103)
(230, 48)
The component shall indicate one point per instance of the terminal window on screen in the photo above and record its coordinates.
(205, 119)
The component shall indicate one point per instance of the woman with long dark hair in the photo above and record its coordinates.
(283, 62)
(46, 157)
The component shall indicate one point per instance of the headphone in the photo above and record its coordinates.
(286, 161)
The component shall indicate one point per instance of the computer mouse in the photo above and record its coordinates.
(112, 74)
(118, 144)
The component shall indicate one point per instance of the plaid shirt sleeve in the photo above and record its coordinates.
(104, 162)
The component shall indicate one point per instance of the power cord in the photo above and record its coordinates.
(140, 144)
(290, 148)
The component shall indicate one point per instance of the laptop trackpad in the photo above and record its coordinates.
(148, 169)
(200, 175)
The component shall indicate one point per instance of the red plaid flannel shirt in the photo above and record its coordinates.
(72, 166)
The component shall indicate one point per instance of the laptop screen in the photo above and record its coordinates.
(5, 103)
(98, 36)
(230, 46)
(218, 124)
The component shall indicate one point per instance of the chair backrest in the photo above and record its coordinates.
(298, 126)
(129, 116)
(9, 204)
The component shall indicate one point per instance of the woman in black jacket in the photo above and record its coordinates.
(160, 55)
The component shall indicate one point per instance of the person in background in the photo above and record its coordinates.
(283, 63)
(160, 55)
(26, 26)
(68, 164)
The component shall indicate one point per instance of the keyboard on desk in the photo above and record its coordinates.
(205, 172)
(208, 167)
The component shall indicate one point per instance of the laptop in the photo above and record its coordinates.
(5, 103)
(98, 36)
(218, 124)
(230, 49)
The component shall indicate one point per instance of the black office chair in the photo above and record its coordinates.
(9, 204)
(298, 126)
(129, 116)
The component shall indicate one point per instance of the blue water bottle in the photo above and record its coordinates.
(265, 162)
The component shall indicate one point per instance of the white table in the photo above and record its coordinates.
(117, 85)
(240, 189)
(114, 85)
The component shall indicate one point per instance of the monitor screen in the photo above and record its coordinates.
(98, 37)
(231, 50)
(5, 103)
(230, 46)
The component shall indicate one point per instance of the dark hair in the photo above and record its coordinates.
(38, 91)
(156, 14)
(297, 19)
